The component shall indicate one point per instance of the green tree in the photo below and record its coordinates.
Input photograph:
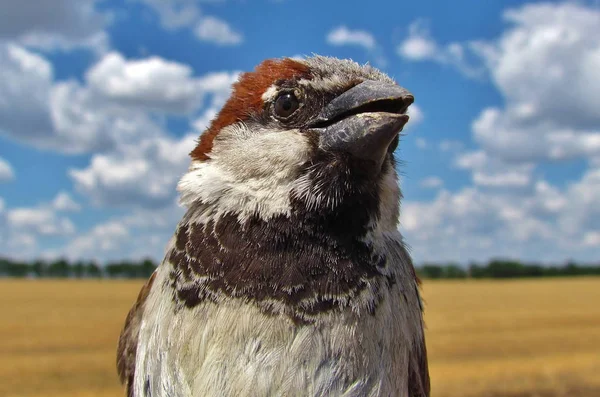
(432, 271)
(59, 268)
(93, 270)
(454, 271)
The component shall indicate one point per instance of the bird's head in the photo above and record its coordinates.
(315, 135)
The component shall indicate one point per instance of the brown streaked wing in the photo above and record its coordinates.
(128, 340)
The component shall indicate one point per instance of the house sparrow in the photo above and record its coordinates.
(287, 276)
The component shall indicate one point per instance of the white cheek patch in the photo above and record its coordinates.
(249, 173)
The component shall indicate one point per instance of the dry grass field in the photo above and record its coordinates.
(486, 338)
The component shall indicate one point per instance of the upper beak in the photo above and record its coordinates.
(364, 120)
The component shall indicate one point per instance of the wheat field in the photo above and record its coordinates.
(485, 338)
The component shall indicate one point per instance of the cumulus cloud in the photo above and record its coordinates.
(488, 171)
(103, 238)
(344, 36)
(63, 202)
(6, 172)
(416, 115)
(420, 46)
(217, 31)
(141, 234)
(110, 109)
(177, 14)
(83, 122)
(543, 224)
(22, 228)
(42, 221)
(141, 175)
(174, 14)
(57, 24)
(25, 83)
(449, 145)
(63, 116)
(142, 171)
(545, 65)
(422, 143)
(431, 182)
(152, 83)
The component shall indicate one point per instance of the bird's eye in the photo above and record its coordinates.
(285, 105)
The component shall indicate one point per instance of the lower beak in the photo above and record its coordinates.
(364, 121)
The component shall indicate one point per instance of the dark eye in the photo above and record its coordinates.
(286, 104)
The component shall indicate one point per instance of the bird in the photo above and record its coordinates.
(287, 275)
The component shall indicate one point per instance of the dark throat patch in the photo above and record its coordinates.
(303, 264)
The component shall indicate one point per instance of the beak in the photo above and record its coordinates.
(364, 121)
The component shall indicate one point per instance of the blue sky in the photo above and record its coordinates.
(100, 102)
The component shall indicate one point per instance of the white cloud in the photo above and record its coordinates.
(57, 24)
(141, 172)
(542, 224)
(202, 123)
(174, 14)
(449, 145)
(177, 14)
(152, 83)
(472, 160)
(141, 175)
(421, 143)
(24, 232)
(580, 205)
(431, 182)
(142, 233)
(545, 65)
(220, 84)
(98, 42)
(63, 202)
(493, 172)
(22, 228)
(155, 84)
(420, 46)
(42, 221)
(59, 116)
(6, 172)
(110, 110)
(416, 115)
(343, 36)
(25, 82)
(217, 31)
(79, 123)
(99, 242)
(504, 179)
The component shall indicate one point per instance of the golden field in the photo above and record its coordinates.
(485, 338)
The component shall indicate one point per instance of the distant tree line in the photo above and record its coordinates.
(496, 268)
(61, 268)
